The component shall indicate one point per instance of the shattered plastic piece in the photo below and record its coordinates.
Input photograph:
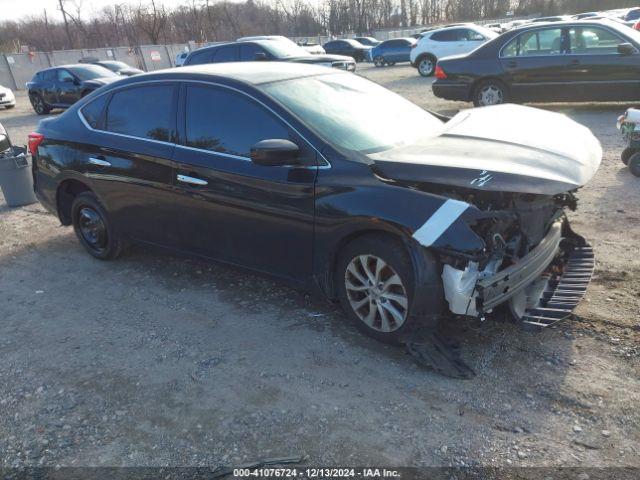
(434, 352)
(459, 288)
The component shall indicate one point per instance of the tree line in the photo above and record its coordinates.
(69, 26)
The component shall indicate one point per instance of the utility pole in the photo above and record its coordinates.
(48, 30)
(66, 23)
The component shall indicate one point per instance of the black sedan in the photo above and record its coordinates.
(61, 87)
(268, 49)
(349, 47)
(563, 61)
(290, 169)
(120, 68)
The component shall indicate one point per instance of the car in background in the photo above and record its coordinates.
(559, 18)
(180, 58)
(265, 50)
(514, 24)
(368, 41)
(563, 61)
(349, 48)
(392, 51)
(444, 42)
(332, 183)
(120, 68)
(312, 48)
(633, 15)
(580, 16)
(496, 27)
(7, 98)
(61, 87)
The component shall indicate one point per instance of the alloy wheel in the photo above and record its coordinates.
(378, 61)
(491, 95)
(376, 293)
(38, 105)
(92, 229)
(426, 67)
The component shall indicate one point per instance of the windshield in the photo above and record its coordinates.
(91, 72)
(284, 49)
(353, 113)
(112, 65)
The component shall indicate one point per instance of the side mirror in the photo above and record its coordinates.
(261, 56)
(626, 49)
(275, 152)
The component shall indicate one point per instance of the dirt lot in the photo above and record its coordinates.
(158, 360)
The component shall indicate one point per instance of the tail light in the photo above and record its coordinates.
(636, 26)
(35, 139)
(414, 45)
(440, 73)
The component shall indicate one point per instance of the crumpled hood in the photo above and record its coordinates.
(506, 148)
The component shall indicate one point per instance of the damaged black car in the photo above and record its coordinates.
(332, 182)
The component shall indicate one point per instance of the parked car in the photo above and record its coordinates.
(180, 58)
(290, 169)
(629, 126)
(564, 61)
(445, 42)
(580, 16)
(633, 15)
(7, 98)
(265, 50)
(312, 48)
(61, 87)
(348, 47)
(559, 18)
(368, 41)
(120, 68)
(393, 51)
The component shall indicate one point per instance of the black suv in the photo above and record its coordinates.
(61, 87)
(279, 50)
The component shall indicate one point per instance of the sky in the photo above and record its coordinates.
(16, 9)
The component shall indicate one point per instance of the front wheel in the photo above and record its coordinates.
(94, 229)
(634, 164)
(378, 61)
(426, 66)
(375, 282)
(490, 92)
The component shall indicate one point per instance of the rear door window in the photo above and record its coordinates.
(145, 112)
(249, 51)
(452, 35)
(226, 54)
(224, 121)
(549, 41)
(92, 112)
(200, 58)
(50, 75)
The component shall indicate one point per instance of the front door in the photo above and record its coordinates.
(68, 88)
(231, 208)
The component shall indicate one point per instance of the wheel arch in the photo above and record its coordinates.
(66, 192)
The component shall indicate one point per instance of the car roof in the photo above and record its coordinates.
(577, 23)
(253, 73)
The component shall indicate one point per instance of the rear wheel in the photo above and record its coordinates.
(626, 154)
(38, 104)
(375, 282)
(426, 65)
(490, 92)
(378, 61)
(93, 227)
(634, 164)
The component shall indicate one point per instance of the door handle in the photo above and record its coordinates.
(192, 180)
(100, 161)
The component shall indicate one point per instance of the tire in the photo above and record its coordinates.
(39, 105)
(9, 107)
(426, 65)
(490, 92)
(94, 229)
(634, 164)
(386, 314)
(627, 153)
(379, 61)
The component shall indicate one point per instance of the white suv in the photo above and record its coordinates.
(444, 42)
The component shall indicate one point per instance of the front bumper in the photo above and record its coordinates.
(546, 284)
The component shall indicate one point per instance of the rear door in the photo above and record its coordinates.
(598, 69)
(229, 53)
(536, 64)
(129, 160)
(231, 208)
(49, 86)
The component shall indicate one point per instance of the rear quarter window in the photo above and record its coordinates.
(92, 112)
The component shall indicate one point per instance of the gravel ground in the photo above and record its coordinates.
(158, 360)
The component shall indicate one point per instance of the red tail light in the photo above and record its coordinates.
(636, 26)
(440, 73)
(35, 139)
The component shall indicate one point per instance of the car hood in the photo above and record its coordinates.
(506, 148)
(321, 59)
(101, 81)
(129, 72)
